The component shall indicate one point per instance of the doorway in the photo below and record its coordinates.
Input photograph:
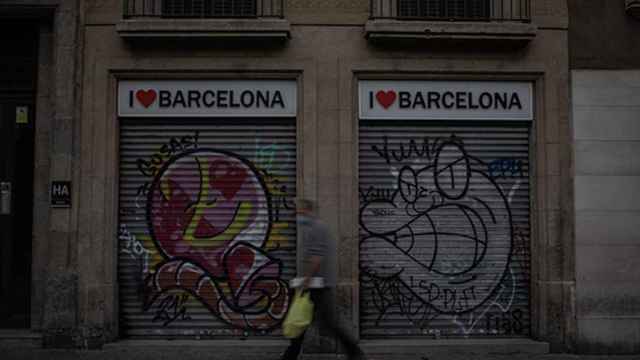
(18, 69)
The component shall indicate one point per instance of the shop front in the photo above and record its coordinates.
(444, 208)
(206, 221)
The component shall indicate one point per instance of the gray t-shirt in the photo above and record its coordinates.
(317, 241)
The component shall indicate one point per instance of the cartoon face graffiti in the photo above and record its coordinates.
(445, 232)
(204, 201)
(209, 215)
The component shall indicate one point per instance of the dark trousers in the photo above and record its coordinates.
(325, 317)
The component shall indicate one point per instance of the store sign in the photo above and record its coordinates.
(207, 98)
(445, 100)
(61, 194)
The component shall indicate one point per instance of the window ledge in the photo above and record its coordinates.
(22, 338)
(260, 28)
(507, 33)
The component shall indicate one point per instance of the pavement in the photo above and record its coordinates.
(505, 349)
(16, 352)
(101, 355)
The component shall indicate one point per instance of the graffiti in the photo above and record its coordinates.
(171, 308)
(446, 231)
(371, 194)
(211, 221)
(521, 241)
(212, 235)
(281, 200)
(213, 333)
(175, 145)
(501, 302)
(509, 322)
(506, 168)
(280, 194)
(130, 245)
(266, 156)
(270, 156)
(423, 201)
(424, 150)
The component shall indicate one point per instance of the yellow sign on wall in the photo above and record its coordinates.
(22, 115)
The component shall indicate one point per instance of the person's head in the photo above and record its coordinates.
(305, 207)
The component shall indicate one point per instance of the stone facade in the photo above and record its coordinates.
(54, 268)
(323, 47)
(605, 114)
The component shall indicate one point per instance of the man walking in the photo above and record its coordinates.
(319, 249)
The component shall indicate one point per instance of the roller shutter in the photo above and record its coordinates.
(206, 226)
(444, 229)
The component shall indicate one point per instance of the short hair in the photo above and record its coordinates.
(305, 204)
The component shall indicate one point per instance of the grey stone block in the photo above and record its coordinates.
(607, 228)
(61, 301)
(607, 299)
(606, 123)
(606, 89)
(602, 193)
(607, 158)
(598, 78)
(608, 263)
(609, 335)
(606, 96)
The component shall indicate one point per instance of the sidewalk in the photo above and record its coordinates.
(102, 355)
(28, 346)
(18, 352)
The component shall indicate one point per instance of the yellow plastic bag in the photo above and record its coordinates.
(299, 316)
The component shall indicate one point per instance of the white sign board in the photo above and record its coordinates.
(445, 100)
(207, 98)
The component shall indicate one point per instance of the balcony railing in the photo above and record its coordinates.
(452, 10)
(202, 9)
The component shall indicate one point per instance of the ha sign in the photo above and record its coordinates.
(207, 98)
(445, 100)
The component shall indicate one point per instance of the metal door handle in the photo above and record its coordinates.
(5, 198)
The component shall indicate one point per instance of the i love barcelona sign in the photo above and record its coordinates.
(207, 98)
(445, 100)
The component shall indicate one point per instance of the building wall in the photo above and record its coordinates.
(606, 113)
(327, 53)
(605, 66)
(54, 274)
(602, 35)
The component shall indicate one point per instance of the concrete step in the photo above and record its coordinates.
(454, 347)
(20, 338)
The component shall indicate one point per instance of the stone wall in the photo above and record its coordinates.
(602, 35)
(55, 281)
(606, 122)
(327, 53)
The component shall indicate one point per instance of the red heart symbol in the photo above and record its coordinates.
(146, 98)
(227, 177)
(386, 99)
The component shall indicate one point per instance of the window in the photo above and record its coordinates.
(209, 8)
(444, 9)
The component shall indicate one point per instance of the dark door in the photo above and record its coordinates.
(16, 208)
(18, 69)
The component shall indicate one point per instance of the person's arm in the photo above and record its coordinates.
(312, 269)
